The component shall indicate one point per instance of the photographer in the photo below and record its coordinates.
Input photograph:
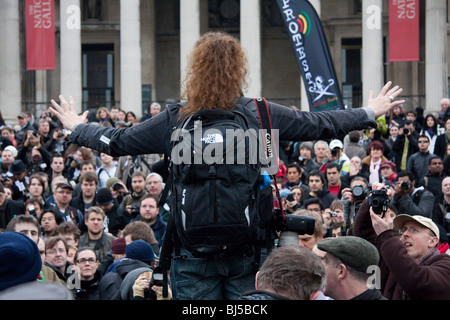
(411, 267)
(35, 157)
(411, 200)
(405, 145)
(57, 143)
(353, 197)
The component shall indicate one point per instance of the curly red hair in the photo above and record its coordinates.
(216, 74)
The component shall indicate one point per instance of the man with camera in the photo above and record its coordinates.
(411, 200)
(338, 156)
(132, 201)
(411, 267)
(405, 145)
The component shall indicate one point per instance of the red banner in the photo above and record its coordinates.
(403, 30)
(40, 34)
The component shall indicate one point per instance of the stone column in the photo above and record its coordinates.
(372, 60)
(71, 70)
(189, 31)
(251, 42)
(10, 87)
(130, 57)
(148, 45)
(436, 86)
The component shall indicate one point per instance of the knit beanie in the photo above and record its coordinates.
(20, 261)
(140, 250)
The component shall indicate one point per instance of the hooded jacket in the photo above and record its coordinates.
(109, 286)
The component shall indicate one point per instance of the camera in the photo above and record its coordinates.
(406, 131)
(149, 293)
(406, 185)
(379, 201)
(290, 197)
(60, 135)
(360, 193)
(135, 210)
(334, 152)
(293, 226)
(117, 186)
(333, 214)
(32, 210)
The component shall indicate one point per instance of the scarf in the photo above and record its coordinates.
(431, 132)
(405, 154)
(443, 248)
(374, 171)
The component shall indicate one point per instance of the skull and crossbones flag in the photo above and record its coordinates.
(313, 56)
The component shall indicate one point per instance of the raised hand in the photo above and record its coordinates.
(385, 101)
(66, 113)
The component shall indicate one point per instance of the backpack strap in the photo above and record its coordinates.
(266, 124)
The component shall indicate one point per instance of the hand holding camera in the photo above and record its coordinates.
(403, 188)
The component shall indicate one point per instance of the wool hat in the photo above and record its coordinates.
(111, 181)
(401, 219)
(104, 197)
(21, 261)
(308, 145)
(388, 164)
(118, 246)
(17, 167)
(355, 252)
(285, 192)
(140, 250)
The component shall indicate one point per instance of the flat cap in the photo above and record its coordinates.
(355, 252)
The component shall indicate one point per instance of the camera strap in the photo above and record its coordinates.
(266, 124)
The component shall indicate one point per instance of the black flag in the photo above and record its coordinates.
(312, 53)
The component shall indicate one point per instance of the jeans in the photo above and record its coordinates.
(215, 278)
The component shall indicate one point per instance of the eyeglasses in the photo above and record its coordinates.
(83, 260)
(55, 251)
(414, 230)
(423, 141)
(64, 192)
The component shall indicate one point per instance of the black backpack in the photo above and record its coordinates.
(217, 186)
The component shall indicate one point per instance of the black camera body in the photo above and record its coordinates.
(135, 211)
(406, 185)
(360, 193)
(299, 224)
(379, 201)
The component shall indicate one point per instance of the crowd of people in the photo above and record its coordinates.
(83, 208)
(79, 206)
(91, 218)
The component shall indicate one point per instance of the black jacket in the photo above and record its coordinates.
(154, 134)
(370, 294)
(9, 210)
(89, 290)
(118, 218)
(420, 203)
